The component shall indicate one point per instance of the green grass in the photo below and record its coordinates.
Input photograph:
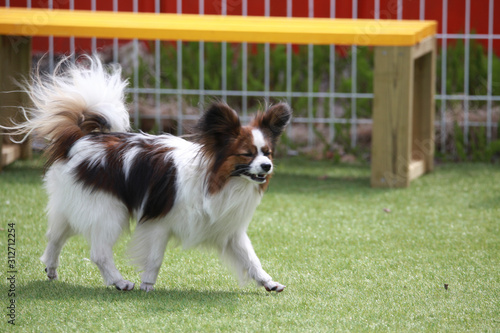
(321, 230)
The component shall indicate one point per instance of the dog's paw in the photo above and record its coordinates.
(274, 286)
(51, 273)
(147, 287)
(124, 285)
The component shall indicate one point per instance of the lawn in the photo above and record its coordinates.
(353, 259)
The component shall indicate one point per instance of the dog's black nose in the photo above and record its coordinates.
(266, 166)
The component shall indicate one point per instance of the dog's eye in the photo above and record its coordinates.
(247, 154)
(266, 153)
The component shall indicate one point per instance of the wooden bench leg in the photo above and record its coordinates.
(392, 115)
(424, 107)
(15, 65)
(403, 114)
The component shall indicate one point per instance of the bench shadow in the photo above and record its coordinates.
(486, 203)
(22, 172)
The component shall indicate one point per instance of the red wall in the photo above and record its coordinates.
(388, 10)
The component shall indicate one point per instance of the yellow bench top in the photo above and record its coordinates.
(213, 28)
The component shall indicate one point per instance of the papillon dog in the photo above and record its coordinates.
(201, 190)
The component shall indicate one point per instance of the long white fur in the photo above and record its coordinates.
(197, 218)
(74, 88)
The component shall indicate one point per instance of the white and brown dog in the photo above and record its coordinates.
(202, 191)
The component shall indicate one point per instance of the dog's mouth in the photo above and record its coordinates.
(258, 178)
(242, 171)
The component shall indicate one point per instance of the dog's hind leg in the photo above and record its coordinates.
(101, 239)
(59, 232)
(148, 249)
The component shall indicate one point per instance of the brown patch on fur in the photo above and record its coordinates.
(244, 142)
(92, 122)
(219, 178)
(151, 181)
(221, 172)
(70, 128)
(217, 131)
(58, 149)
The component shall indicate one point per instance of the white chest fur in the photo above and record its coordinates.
(201, 218)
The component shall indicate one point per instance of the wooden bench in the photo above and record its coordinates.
(404, 74)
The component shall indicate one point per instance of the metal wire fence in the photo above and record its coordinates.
(328, 87)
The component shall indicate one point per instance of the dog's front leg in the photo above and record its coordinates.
(241, 256)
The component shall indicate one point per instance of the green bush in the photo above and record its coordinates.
(478, 71)
(478, 148)
(256, 74)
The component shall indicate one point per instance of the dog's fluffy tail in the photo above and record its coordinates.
(75, 100)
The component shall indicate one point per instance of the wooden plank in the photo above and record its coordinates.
(1, 146)
(424, 47)
(424, 108)
(392, 115)
(15, 65)
(214, 28)
(10, 153)
(416, 169)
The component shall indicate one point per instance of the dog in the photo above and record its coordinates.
(201, 189)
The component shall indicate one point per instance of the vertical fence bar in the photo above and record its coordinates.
(422, 10)
(444, 46)
(224, 55)
(466, 72)
(180, 114)
(201, 62)
(354, 82)
(310, 64)
(267, 69)
(72, 38)
(289, 67)
(376, 15)
(135, 43)
(489, 92)
(115, 40)
(331, 104)
(158, 116)
(244, 68)
(400, 9)
(51, 44)
(289, 58)
(93, 40)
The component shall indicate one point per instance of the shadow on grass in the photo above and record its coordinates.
(60, 291)
(22, 172)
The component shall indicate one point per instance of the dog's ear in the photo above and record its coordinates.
(274, 121)
(218, 126)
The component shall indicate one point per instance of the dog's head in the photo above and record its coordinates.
(240, 151)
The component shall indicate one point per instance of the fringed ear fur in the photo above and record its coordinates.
(218, 126)
(274, 120)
